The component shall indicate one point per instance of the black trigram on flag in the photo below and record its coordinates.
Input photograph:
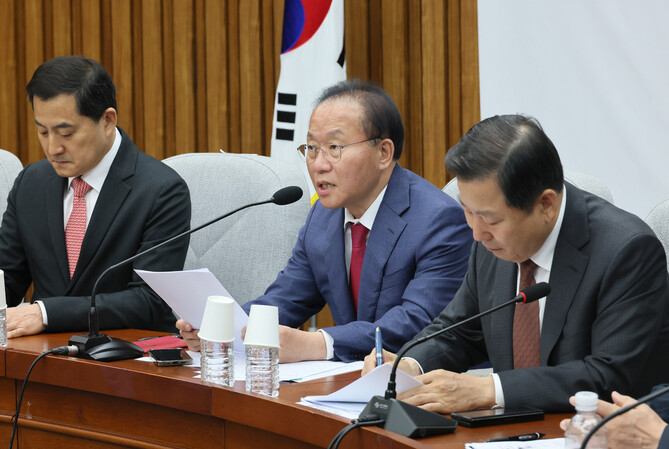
(285, 116)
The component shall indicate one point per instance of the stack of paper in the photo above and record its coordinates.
(351, 400)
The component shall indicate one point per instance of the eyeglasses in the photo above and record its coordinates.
(331, 151)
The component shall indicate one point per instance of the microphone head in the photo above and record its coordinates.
(535, 292)
(287, 195)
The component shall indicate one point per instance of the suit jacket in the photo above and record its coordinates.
(415, 259)
(141, 203)
(605, 324)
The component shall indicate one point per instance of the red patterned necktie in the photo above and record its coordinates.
(358, 245)
(76, 225)
(526, 331)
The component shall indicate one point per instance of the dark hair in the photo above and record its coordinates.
(82, 77)
(382, 119)
(515, 150)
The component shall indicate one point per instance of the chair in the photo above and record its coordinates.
(10, 166)
(581, 180)
(658, 220)
(247, 250)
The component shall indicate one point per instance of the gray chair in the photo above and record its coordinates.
(658, 220)
(581, 180)
(10, 166)
(247, 250)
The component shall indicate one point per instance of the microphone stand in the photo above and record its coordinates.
(126, 350)
(415, 422)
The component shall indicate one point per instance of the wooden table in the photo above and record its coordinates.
(77, 403)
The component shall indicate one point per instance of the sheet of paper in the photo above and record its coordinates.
(287, 371)
(550, 443)
(186, 292)
(371, 384)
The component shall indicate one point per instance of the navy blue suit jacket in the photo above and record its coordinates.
(414, 263)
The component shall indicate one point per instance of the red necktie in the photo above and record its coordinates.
(358, 246)
(76, 225)
(526, 332)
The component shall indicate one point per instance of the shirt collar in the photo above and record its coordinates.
(544, 257)
(367, 219)
(96, 177)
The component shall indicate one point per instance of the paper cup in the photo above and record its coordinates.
(263, 327)
(218, 322)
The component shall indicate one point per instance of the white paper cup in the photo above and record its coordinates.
(263, 327)
(218, 322)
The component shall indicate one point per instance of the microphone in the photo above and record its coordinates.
(101, 347)
(627, 408)
(412, 421)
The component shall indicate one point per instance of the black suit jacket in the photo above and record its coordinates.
(606, 320)
(141, 203)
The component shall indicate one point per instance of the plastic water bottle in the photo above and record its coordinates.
(217, 362)
(584, 420)
(262, 370)
(3, 326)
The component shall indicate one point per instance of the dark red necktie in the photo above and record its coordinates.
(76, 224)
(526, 331)
(358, 246)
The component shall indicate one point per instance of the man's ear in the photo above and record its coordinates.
(109, 120)
(549, 204)
(387, 150)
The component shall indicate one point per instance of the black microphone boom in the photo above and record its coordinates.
(412, 421)
(102, 347)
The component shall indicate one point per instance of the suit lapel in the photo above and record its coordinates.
(54, 212)
(387, 228)
(504, 288)
(569, 265)
(112, 196)
(341, 304)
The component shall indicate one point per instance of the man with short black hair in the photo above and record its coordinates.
(603, 327)
(382, 246)
(93, 202)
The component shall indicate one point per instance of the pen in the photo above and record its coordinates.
(379, 347)
(525, 437)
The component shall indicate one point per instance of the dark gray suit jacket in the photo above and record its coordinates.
(141, 203)
(606, 321)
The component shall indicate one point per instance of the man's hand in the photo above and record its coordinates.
(297, 345)
(446, 392)
(189, 335)
(407, 365)
(640, 427)
(24, 320)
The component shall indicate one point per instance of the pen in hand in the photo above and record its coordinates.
(525, 437)
(379, 347)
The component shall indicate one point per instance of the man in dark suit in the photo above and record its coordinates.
(93, 202)
(415, 243)
(603, 327)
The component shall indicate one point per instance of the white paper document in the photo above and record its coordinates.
(351, 400)
(186, 292)
(551, 443)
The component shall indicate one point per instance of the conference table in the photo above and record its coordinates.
(76, 403)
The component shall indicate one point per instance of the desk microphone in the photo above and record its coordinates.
(622, 410)
(97, 346)
(412, 421)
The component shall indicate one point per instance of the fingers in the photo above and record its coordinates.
(183, 325)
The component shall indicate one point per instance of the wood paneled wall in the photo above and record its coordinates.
(199, 75)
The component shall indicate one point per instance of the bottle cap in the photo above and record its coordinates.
(586, 401)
